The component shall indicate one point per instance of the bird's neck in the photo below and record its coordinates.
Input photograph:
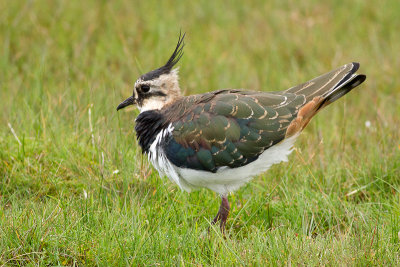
(148, 125)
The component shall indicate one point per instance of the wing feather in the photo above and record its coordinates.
(233, 131)
(233, 127)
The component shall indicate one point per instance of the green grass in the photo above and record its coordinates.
(65, 66)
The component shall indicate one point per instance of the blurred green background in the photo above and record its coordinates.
(75, 189)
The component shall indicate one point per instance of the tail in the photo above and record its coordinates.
(348, 83)
(323, 91)
(332, 85)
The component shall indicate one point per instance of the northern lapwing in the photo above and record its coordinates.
(220, 140)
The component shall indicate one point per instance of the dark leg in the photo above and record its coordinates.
(223, 213)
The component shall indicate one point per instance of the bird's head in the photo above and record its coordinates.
(158, 87)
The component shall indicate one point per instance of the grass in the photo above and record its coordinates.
(75, 189)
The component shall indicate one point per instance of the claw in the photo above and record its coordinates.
(222, 214)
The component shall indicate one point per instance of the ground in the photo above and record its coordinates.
(76, 190)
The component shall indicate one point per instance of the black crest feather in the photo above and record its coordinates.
(175, 57)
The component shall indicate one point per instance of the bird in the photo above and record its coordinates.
(220, 140)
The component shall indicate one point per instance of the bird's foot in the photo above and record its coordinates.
(222, 214)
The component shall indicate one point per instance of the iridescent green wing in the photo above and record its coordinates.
(230, 128)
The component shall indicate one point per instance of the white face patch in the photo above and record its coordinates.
(167, 84)
(152, 104)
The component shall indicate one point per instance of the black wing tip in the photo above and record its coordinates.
(350, 75)
(359, 79)
(356, 66)
(336, 94)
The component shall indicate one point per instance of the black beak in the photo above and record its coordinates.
(127, 102)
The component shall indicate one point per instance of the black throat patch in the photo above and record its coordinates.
(148, 125)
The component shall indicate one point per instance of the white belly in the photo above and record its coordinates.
(226, 179)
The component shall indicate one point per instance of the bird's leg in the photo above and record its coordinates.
(223, 213)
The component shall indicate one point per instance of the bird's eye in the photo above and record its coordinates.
(145, 88)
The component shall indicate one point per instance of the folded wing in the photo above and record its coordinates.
(231, 128)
